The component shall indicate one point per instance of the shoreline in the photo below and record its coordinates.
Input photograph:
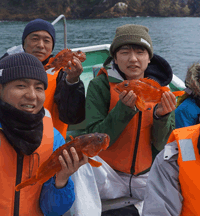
(93, 18)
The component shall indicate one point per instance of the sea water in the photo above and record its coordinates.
(174, 38)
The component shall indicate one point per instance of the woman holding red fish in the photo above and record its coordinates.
(136, 134)
(28, 138)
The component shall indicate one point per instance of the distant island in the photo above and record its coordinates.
(25, 10)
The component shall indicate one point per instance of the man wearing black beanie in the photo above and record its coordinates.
(65, 96)
(27, 139)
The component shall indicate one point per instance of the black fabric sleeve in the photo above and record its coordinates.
(6, 54)
(70, 100)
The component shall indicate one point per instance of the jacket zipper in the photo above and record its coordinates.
(18, 180)
(136, 143)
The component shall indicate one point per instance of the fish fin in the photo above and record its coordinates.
(178, 93)
(28, 182)
(42, 178)
(59, 53)
(165, 88)
(151, 82)
(94, 163)
(72, 138)
(43, 169)
(140, 104)
(46, 178)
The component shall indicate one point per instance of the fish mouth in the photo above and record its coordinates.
(117, 90)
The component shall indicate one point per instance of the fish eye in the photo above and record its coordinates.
(125, 84)
(100, 139)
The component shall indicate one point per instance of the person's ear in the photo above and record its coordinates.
(115, 60)
(149, 58)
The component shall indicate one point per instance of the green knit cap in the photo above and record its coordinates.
(132, 34)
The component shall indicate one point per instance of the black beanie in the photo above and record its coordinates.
(39, 25)
(20, 66)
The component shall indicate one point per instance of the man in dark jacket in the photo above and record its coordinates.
(65, 97)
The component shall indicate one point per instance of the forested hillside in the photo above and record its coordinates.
(83, 9)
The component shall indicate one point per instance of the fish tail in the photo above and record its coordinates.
(94, 163)
(140, 104)
(178, 93)
(72, 138)
(30, 181)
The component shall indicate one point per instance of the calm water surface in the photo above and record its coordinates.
(175, 39)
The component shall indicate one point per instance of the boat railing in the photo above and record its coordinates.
(62, 16)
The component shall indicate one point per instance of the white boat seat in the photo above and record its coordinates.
(117, 203)
(113, 204)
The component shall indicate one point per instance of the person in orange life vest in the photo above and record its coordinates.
(173, 182)
(65, 96)
(28, 139)
(135, 136)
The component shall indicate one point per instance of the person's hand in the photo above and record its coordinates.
(167, 104)
(75, 71)
(69, 166)
(128, 99)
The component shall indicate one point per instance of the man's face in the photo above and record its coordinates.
(39, 44)
(132, 62)
(24, 94)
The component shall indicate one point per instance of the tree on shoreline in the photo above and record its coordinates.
(83, 9)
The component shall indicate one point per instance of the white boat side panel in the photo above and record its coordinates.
(93, 48)
(178, 82)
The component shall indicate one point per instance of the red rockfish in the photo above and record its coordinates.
(62, 58)
(147, 90)
(87, 144)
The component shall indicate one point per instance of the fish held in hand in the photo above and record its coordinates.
(88, 144)
(62, 58)
(147, 90)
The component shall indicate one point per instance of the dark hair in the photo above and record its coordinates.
(130, 46)
(4, 85)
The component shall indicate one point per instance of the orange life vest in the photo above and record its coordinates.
(189, 166)
(29, 196)
(52, 106)
(125, 154)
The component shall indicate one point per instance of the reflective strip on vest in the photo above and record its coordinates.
(187, 150)
(50, 71)
(47, 113)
